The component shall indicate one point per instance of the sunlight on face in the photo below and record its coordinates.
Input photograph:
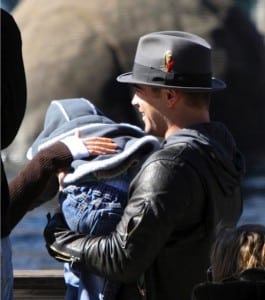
(150, 105)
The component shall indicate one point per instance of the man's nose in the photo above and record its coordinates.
(134, 101)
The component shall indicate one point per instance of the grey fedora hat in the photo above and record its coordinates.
(173, 59)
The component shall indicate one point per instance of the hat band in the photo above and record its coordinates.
(152, 75)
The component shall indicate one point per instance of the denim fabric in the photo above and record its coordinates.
(95, 209)
(6, 269)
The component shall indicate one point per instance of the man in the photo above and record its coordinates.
(183, 192)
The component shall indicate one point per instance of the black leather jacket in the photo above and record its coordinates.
(176, 201)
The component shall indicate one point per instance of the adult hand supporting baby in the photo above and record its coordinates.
(99, 145)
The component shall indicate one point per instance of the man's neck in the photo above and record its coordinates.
(203, 118)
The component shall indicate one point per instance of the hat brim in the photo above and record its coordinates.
(217, 84)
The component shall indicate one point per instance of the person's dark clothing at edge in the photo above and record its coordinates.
(250, 285)
(13, 99)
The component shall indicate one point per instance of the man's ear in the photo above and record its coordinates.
(172, 97)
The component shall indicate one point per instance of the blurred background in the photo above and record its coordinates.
(78, 48)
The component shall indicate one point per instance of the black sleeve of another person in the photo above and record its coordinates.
(13, 98)
(13, 81)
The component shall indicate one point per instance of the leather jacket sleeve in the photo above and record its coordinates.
(151, 217)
